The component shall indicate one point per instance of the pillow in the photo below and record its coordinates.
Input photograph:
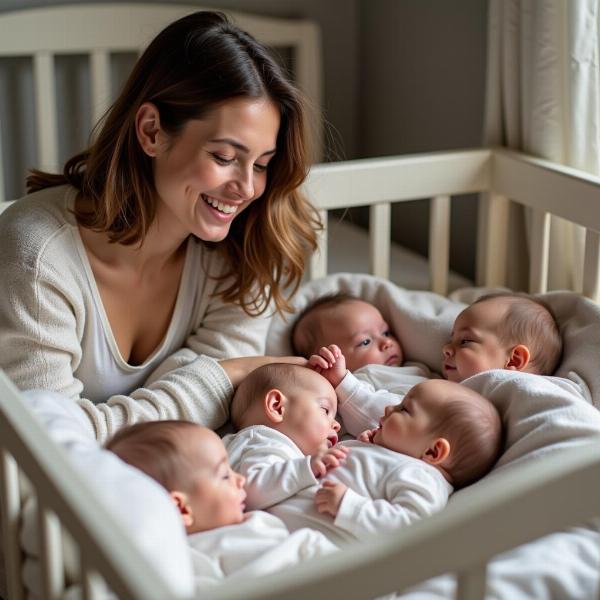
(140, 506)
(422, 321)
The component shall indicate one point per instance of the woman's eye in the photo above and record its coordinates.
(222, 160)
(260, 168)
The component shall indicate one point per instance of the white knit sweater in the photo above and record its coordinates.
(54, 333)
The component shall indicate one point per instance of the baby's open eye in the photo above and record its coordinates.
(365, 342)
(465, 341)
(325, 409)
(387, 333)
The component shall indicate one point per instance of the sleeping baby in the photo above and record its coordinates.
(443, 436)
(191, 463)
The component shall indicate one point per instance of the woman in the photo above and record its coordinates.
(178, 227)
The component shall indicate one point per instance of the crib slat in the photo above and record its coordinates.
(379, 238)
(2, 189)
(10, 499)
(100, 83)
(51, 553)
(540, 240)
(470, 585)
(591, 266)
(45, 110)
(318, 261)
(92, 583)
(496, 240)
(439, 244)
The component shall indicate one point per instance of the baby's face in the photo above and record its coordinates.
(475, 345)
(309, 418)
(361, 333)
(217, 495)
(407, 427)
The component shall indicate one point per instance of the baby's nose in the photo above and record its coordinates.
(447, 350)
(335, 426)
(241, 480)
(388, 410)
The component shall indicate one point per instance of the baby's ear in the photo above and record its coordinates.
(274, 404)
(180, 500)
(437, 452)
(518, 359)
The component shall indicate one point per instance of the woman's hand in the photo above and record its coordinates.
(238, 369)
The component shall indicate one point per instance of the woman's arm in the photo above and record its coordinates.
(43, 313)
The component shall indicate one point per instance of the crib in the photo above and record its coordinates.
(493, 519)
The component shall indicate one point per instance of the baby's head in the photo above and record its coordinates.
(447, 425)
(357, 327)
(503, 331)
(292, 399)
(191, 463)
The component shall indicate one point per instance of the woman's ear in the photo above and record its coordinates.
(180, 500)
(518, 358)
(274, 404)
(437, 452)
(147, 128)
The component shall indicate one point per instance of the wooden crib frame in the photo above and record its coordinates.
(496, 518)
(492, 520)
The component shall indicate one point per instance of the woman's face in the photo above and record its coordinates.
(215, 168)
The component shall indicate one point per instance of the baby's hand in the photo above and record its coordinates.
(329, 362)
(329, 458)
(329, 496)
(367, 435)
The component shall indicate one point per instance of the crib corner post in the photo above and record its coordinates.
(493, 240)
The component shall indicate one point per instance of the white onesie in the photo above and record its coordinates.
(258, 546)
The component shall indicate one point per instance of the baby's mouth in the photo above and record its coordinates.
(332, 440)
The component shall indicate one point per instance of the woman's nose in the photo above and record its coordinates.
(244, 183)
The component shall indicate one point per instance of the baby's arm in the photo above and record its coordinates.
(361, 405)
(274, 472)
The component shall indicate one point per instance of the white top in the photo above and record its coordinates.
(55, 335)
(258, 546)
(364, 394)
(273, 465)
(387, 490)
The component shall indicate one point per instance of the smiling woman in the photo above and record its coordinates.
(177, 228)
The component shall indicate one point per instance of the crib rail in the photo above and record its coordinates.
(26, 449)
(501, 175)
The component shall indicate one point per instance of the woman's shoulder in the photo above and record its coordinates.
(30, 223)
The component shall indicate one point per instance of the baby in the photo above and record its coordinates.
(285, 415)
(357, 327)
(503, 331)
(191, 463)
(372, 351)
(406, 469)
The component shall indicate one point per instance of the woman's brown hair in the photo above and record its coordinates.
(194, 64)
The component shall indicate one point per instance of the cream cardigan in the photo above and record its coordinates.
(54, 333)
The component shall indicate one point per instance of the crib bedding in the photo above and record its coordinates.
(542, 416)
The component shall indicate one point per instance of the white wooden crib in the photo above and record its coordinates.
(495, 518)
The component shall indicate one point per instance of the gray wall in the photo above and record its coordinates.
(400, 76)
(422, 89)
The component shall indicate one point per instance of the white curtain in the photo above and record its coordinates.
(542, 97)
